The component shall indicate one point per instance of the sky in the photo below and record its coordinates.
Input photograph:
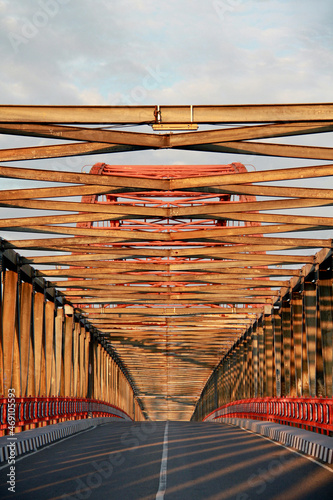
(132, 52)
(174, 52)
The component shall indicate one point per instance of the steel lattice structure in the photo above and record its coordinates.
(173, 267)
(156, 272)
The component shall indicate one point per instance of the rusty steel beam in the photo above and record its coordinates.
(256, 113)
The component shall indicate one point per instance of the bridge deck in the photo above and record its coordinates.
(203, 462)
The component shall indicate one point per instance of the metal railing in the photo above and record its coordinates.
(32, 410)
(314, 414)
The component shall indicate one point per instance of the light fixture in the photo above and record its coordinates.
(159, 125)
(175, 126)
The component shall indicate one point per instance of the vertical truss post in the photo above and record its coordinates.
(97, 370)
(228, 375)
(249, 387)
(82, 366)
(261, 359)
(326, 323)
(226, 387)
(103, 362)
(8, 326)
(110, 396)
(311, 325)
(215, 375)
(26, 334)
(237, 372)
(31, 369)
(68, 350)
(38, 338)
(90, 347)
(58, 339)
(255, 357)
(49, 345)
(93, 369)
(43, 355)
(107, 383)
(297, 329)
(1, 331)
(117, 385)
(235, 356)
(101, 371)
(112, 381)
(76, 360)
(268, 333)
(16, 369)
(277, 352)
(134, 408)
(286, 342)
(87, 363)
(242, 369)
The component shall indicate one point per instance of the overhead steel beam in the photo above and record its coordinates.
(256, 113)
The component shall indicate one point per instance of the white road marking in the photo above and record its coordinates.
(163, 473)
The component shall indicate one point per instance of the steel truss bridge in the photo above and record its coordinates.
(167, 292)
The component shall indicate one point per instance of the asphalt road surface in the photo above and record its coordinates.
(167, 461)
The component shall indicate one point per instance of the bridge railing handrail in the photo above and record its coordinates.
(315, 413)
(33, 410)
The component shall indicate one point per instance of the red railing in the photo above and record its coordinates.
(314, 414)
(30, 410)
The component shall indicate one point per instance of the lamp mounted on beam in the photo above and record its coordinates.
(158, 125)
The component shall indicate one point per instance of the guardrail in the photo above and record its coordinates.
(31, 410)
(315, 414)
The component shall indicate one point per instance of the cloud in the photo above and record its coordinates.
(227, 51)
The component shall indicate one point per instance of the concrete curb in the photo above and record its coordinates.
(28, 441)
(310, 443)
